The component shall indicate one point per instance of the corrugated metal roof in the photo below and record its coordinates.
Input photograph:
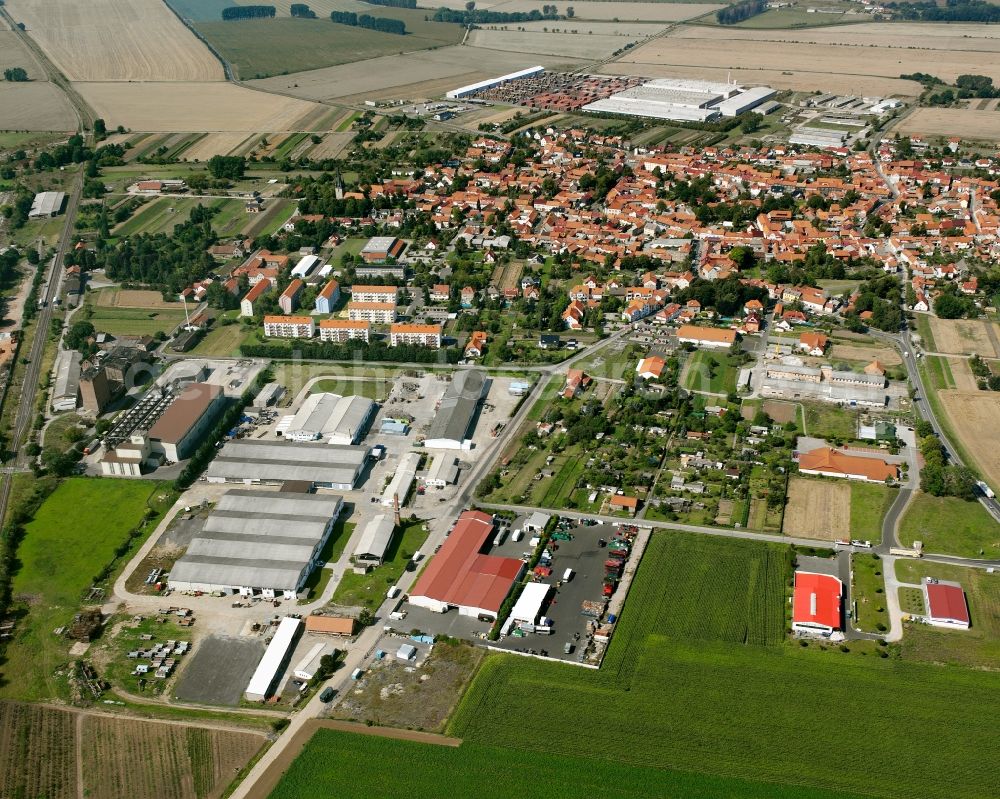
(458, 406)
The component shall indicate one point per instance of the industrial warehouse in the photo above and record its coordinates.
(683, 100)
(457, 410)
(275, 462)
(331, 418)
(258, 543)
(460, 576)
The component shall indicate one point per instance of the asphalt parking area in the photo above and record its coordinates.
(219, 670)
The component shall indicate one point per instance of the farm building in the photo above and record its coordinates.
(816, 603)
(375, 540)
(331, 418)
(402, 480)
(529, 605)
(275, 659)
(182, 427)
(483, 85)
(330, 625)
(946, 605)
(460, 576)
(833, 463)
(443, 471)
(255, 462)
(258, 543)
(452, 423)
(47, 203)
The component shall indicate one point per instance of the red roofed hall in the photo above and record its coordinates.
(816, 604)
(946, 606)
(833, 463)
(460, 576)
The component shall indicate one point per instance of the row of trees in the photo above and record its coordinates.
(383, 24)
(247, 12)
(353, 351)
(730, 15)
(393, 3)
(938, 478)
(302, 11)
(480, 17)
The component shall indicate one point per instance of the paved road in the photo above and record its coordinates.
(925, 410)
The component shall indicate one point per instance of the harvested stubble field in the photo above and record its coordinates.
(973, 124)
(975, 417)
(818, 509)
(964, 336)
(961, 374)
(108, 40)
(575, 26)
(134, 298)
(744, 49)
(38, 752)
(127, 757)
(561, 44)
(215, 144)
(630, 11)
(35, 106)
(728, 708)
(887, 356)
(781, 412)
(13, 53)
(332, 146)
(448, 68)
(208, 107)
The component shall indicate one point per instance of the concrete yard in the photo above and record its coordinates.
(219, 670)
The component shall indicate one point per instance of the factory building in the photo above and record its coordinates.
(183, 425)
(402, 480)
(746, 101)
(452, 425)
(682, 100)
(331, 418)
(47, 203)
(258, 543)
(255, 462)
(483, 85)
(375, 540)
(275, 659)
(67, 383)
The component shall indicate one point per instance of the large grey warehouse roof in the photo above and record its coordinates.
(258, 539)
(269, 461)
(333, 417)
(458, 406)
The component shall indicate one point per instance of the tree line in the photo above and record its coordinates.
(355, 350)
(247, 12)
(731, 15)
(481, 17)
(382, 24)
(952, 11)
(393, 3)
(302, 11)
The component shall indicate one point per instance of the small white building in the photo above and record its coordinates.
(275, 658)
(443, 471)
(402, 480)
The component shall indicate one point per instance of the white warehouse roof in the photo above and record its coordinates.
(267, 670)
(375, 538)
(489, 84)
(749, 99)
(305, 265)
(332, 417)
(401, 481)
(529, 604)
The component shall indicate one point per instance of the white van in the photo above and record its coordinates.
(567, 575)
(393, 592)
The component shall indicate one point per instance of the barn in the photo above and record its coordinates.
(816, 604)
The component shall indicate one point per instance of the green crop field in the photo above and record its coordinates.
(74, 535)
(869, 503)
(779, 713)
(328, 766)
(295, 45)
(951, 526)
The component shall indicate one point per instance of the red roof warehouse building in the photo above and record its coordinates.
(946, 605)
(816, 603)
(460, 576)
